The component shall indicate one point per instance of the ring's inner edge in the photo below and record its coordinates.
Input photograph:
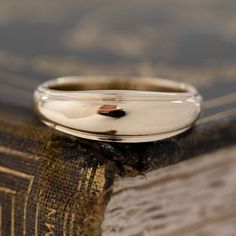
(118, 85)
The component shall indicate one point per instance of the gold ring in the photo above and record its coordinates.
(118, 109)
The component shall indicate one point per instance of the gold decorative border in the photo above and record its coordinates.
(30, 178)
(220, 101)
(12, 194)
(0, 220)
(18, 153)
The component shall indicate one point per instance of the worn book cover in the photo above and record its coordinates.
(55, 184)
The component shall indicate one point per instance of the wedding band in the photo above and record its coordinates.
(118, 109)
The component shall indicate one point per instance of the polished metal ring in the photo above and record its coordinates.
(118, 109)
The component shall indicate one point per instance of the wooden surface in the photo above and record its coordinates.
(196, 197)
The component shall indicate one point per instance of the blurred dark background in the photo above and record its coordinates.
(189, 40)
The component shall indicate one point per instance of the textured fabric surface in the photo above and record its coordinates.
(49, 184)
